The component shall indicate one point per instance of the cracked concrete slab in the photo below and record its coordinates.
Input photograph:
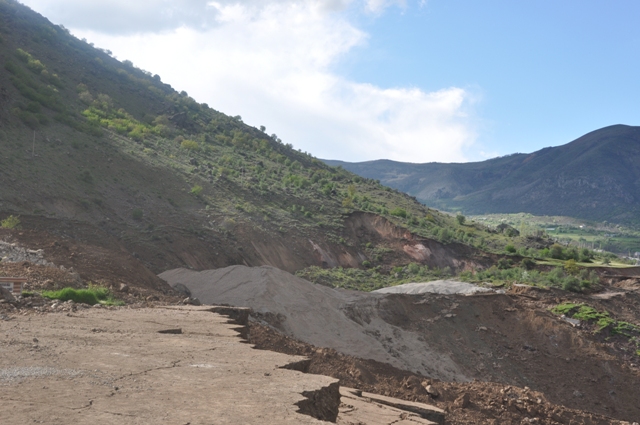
(115, 367)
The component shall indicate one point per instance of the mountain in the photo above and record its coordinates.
(106, 155)
(595, 177)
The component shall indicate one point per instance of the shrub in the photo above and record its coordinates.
(571, 283)
(86, 176)
(196, 190)
(461, 219)
(10, 222)
(398, 212)
(571, 267)
(503, 263)
(528, 263)
(510, 249)
(190, 145)
(556, 252)
(413, 268)
(86, 98)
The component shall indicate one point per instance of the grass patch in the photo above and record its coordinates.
(374, 278)
(91, 296)
(602, 319)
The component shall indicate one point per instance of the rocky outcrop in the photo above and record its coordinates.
(13, 253)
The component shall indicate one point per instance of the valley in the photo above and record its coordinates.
(172, 242)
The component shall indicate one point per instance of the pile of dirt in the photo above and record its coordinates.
(85, 250)
(511, 339)
(447, 287)
(465, 403)
(41, 277)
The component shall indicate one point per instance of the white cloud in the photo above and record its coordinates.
(272, 63)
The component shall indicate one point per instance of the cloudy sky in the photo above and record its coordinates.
(410, 80)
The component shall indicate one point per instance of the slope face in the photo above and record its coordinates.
(594, 177)
(317, 315)
(95, 149)
(512, 338)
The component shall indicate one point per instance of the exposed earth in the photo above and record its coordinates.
(494, 358)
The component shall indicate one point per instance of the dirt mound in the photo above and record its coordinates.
(347, 321)
(447, 287)
(92, 254)
(465, 403)
(511, 339)
(41, 277)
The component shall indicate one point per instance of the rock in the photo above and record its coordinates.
(124, 287)
(412, 382)
(182, 289)
(572, 322)
(578, 394)
(462, 402)
(5, 294)
(12, 253)
(482, 328)
(191, 301)
(153, 298)
(432, 391)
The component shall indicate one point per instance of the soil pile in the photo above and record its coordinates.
(448, 287)
(346, 321)
(468, 403)
(512, 339)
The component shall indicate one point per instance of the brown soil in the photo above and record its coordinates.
(486, 402)
(93, 255)
(507, 341)
(511, 339)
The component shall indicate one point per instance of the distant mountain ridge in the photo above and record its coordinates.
(595, 177)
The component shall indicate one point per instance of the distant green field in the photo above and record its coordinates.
(621, 240)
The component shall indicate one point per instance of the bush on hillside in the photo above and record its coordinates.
(10, 222)
(398, 212)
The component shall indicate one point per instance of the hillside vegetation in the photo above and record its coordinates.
(91, 141)
(596, 177)
(104, 154)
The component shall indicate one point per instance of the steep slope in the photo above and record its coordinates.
(595, 177)
(96, 150)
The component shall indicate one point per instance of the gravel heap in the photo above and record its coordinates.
(347, 321)
(446, 287)
(13, 253)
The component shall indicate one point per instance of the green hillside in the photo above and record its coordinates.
(90, 141)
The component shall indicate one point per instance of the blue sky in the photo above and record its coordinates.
(409, 80)
(545, 72)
